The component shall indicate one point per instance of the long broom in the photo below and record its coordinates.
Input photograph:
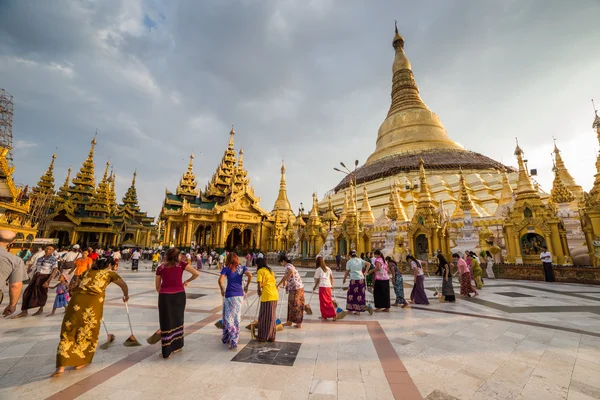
(279, 325)
(110, 337)
(341, 314)
(255, 320)
(131, 340)
(307, 308)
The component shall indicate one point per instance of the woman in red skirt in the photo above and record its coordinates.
(324, 281)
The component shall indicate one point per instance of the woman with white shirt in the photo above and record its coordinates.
(324, 281)
(417, 295)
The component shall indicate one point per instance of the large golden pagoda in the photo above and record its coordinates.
(86, 214)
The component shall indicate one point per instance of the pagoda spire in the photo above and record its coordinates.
(344, 207)
(424, 192)
(396, 208)
(465, 203)
(313, 216)
(410, 126)
(525, 188)
(565, 176)
(99, 204)
(187, 184)
(282, 202)
(222, 184)
(46, 182)
(329, 217)
(560, 193)
(595, 191)
(112, 192)
(63, 192)
(366, 213)
(84, 183)
(130, 200)
(507, 193)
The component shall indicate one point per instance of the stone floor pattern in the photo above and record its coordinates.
(517, 340)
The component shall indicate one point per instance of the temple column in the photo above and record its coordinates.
(101, 239)
(429, 245)
(167, 235)
(548, 238)
(74, 237)
(560, 256)
(517, 252)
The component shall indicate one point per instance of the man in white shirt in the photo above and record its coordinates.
(546, 258)
(36, 293)
(70, 257)
(135, 260)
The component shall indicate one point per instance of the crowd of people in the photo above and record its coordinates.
(81, 276)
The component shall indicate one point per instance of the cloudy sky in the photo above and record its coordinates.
(306, 80)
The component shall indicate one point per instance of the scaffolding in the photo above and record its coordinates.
(6, 117)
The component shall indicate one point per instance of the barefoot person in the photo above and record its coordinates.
(62, 293)
(324, 281)
(81, 324)
(356, 297)
(233, 298)
(171, 301)
(12, 268)
(295, 289)
(36, 294)
(269, 295)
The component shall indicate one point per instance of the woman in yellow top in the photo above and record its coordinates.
(269, 295)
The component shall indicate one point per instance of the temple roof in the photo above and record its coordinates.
(282, 203)
(435, 159)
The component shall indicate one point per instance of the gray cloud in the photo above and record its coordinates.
(304, 80)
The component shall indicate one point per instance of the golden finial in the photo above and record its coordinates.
(191, 164)
(282, 168)
(518, 150)
(596, 123)
(398, 39)
(560, 193)
(134, 176)
(106, 171)
(232, 132)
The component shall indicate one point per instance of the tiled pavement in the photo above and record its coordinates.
(518, 340)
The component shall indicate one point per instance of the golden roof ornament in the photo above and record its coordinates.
(46, 182)
(424, 192)
(313, 216)
(465, 201)
(560, 193)
(99, 203)
(507, 193)
(329, 217)
(565, 176)
(396, 208)
(282, 202)
(344, 207)
(130, 200)
(187, 184)
(525, 188)
(366, 213)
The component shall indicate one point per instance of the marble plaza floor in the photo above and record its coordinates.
(517, 340)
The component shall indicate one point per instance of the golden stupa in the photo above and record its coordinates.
(412, 132)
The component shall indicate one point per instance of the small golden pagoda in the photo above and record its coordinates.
(282, 218)
(531, 224)
(226, 215)
(86, 214)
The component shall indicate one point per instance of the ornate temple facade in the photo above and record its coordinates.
(227, 214)
(15, 204)
(88, 214)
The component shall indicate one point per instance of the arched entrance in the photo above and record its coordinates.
(62, 236)
(531, 246)
(234, 240)
(343, 246)
(246, 239)
(421, 247)
(304, 248)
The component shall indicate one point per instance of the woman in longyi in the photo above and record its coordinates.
(81, 323)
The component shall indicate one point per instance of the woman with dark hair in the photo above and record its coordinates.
(269, 295)
(81, 324)
(295, 290)
(417, 295)
(357, 289)
(447, 286)
(233, 297)
(466, 288)
(171, 301)
(381, 283)
(398, 282)
(324, 281)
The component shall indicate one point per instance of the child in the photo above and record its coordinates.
(155, 259)
(62, 293)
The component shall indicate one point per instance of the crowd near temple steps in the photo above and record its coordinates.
(422, 223)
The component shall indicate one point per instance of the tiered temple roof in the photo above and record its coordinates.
(46, 182)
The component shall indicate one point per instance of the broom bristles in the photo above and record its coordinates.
(341, 314)
(219, 324)
(307, 309)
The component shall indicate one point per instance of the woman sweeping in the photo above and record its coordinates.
(81, 323)
(381, 284)
(417, 295)
(356, 296)
(269, 295)
(398, 281)
(171, 301)
(324, 281)
(465, 276)
(233, 298)
(447, 286)
(476, 269)
(295, 289)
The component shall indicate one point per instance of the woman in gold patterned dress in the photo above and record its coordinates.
(81, 324)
